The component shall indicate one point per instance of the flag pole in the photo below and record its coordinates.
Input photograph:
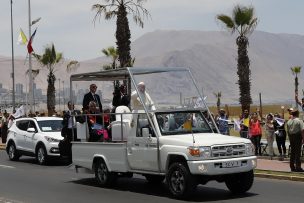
(30, 62)
(13, 60)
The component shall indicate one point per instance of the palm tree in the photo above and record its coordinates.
(120, 9)
(243, 22)
(112, 53)
(49, 59)
(218, 96)
(296, 71)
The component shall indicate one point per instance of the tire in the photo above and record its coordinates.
(180, 181)
(41, 155)
(240, 183)
(102, 174)
(12, 152)
(154, 179)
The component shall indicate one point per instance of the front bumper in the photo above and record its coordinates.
(216, 167)
(53, 149)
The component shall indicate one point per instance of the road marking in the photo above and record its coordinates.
(4, 200)
(5, 166)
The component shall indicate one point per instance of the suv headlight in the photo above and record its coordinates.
(197, 151)
(249, 149)
(51, 139)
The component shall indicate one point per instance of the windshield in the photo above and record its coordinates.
(50, 125)
(165, 88)
(182, 122)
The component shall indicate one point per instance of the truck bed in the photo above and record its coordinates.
(114, 154)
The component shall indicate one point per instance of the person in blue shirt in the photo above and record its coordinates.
(222, 121)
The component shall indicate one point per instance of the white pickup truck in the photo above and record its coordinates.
(166, 139)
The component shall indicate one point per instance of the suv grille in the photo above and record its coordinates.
(223, 151)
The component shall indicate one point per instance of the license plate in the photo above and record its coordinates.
(231, 164)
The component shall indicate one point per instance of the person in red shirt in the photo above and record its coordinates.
(255, 132)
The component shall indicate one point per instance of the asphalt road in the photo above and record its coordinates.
(25, 181)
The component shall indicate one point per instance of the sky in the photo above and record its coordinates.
(69, 23)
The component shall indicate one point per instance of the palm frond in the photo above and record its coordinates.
(138, 21)
(244, 19)
(110, 52)
(248, 15)
(296, 70)
(36, 56)
(239, 14)
(35, 72)
(227, 20)
(217, 94)
(110, 14)
(107, 67)
(72, 65)
(251, 27)
(59, 57)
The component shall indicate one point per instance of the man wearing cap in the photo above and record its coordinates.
(295, 130)
(91, 96)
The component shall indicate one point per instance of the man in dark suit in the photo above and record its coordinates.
(70, 117)
(125, 99)
(91, 96)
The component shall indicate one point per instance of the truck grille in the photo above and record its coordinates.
(222, 151)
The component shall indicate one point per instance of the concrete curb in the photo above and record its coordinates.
(290, 177)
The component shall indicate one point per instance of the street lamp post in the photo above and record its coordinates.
(63, 94)
(59, 94)
(13, 60)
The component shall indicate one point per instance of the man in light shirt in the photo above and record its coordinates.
(295, 130)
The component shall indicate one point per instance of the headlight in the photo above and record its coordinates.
(205, 152)
(200, 151)
(50, 139)
(249, 149)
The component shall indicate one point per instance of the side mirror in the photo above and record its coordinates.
(31, 130)
(145, 132)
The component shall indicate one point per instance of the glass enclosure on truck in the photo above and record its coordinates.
(156, 91)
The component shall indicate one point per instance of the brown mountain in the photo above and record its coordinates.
(211, 57)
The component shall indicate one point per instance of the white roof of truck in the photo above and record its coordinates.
(121, 73)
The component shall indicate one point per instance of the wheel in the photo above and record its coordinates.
(240, 183)
(41, 155)
(12, 152)
(180, 181)
(102, 174)
(154, 179)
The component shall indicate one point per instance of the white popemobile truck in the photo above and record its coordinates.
(167, 139)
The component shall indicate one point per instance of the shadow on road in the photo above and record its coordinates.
(141, 186)
(51, 162)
